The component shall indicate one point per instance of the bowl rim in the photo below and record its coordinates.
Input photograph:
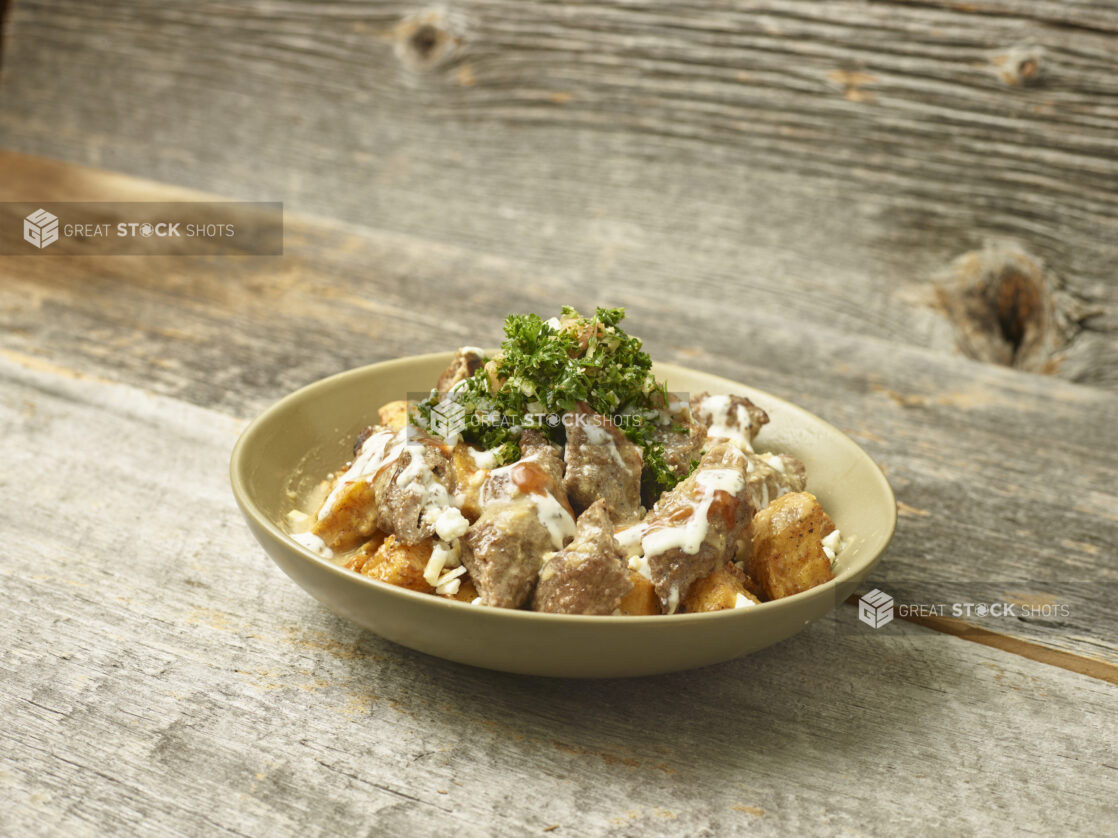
(238, 480)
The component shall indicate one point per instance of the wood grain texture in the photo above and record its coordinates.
(1004, 478)
(828, 160)
(161, 677)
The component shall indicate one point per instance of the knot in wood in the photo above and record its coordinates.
(1020, 66)
(999, 301)
(428, 40)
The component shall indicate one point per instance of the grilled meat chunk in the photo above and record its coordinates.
(734, 418)
(602, 463)
(695, 527)
(524, 515)
(415, 491)
(683, 446)
(502, 551)
(539, 469)
(588, 576)
(539, 449)
(773, 475)
(769, 476)
(681, 436)
(465, 363)
(363, 435)
(394, 485)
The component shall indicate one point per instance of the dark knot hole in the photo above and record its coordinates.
(1016, 305)
(424, 40)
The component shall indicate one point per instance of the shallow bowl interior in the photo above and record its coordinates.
(293, 444)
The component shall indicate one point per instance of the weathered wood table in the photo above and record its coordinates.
(900, 216)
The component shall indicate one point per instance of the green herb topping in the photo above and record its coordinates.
(548, 368)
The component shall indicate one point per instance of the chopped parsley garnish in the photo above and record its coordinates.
(546, 369)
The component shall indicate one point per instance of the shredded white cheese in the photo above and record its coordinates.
(449, 582)
(673, 600)
(443, 555)
(451, 524)
(314, 543)
(832, 546)
(742, 601)
(640, 565)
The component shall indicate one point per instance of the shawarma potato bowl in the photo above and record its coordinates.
(452, 504)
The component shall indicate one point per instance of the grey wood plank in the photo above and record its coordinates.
(1003, 478)
(162, 678)
(829, 159)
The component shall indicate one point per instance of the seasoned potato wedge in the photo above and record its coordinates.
(394, 415)
(751, 586)
(400, 564)
(642, 600)
(718, 591)
(358, 560)
(787, 554)
(351, 520)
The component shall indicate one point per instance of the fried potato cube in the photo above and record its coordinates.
(469, 479)
(352, 518)
(394, 415)
(751, 586)
(642, 600)
(788, 555)
(719, 591)
(400, 564)
(358, 560)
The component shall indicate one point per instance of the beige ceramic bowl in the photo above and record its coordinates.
(289, 448)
